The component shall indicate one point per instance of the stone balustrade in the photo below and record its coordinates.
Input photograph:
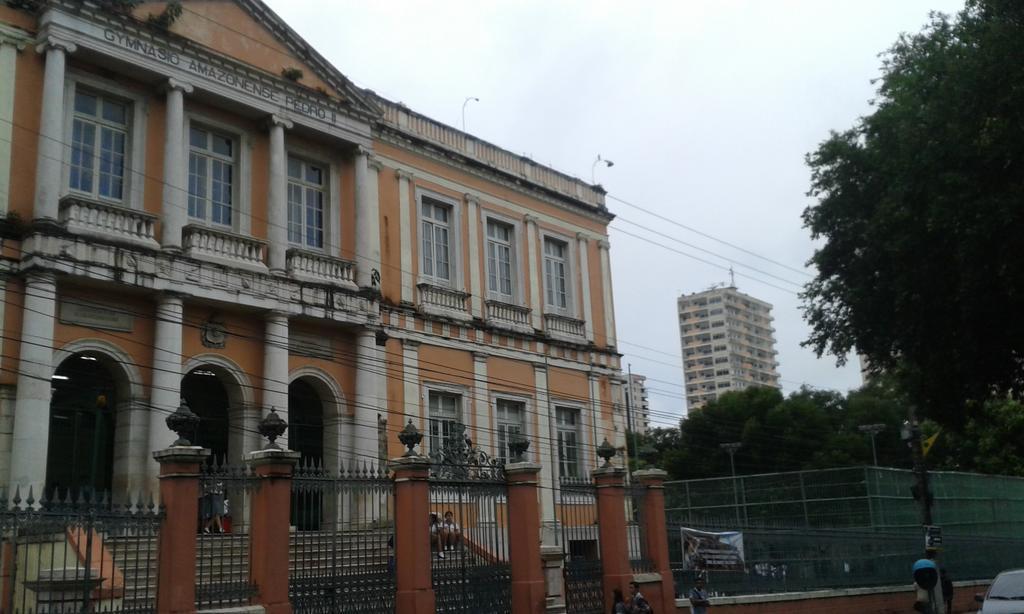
(565, 328)
(107, 221)
(320, 268)
(508, 316)
(224, 247)
(438, 300)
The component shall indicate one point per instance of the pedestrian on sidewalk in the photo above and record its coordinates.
(638, 603)
(699, 603)
(619, 602)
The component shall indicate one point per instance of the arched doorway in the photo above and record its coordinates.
(204, 390)
(306, 436)
(80, 453)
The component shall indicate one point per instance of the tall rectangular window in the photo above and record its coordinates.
(500, 259)
(99, 138)
(211, 176)
(435, 235)
(510, 422)
(444, 416)
(568, 430)
(305, 204)
(556, 273)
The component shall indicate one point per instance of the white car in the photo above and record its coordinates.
(1005, 595)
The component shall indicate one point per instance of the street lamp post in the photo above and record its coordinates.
(464, 103)
(731, 449)
(872, 430)
(593, 167)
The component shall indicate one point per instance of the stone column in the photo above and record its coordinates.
(414, 592)
(405, 218)
(11, 42)
(411, 382)
(277, 196)
(528, 591)
(481, 405)
(50, 156)
(606, 292)
(591, 420)
(32, 406)
(476, 286)
(656, 532)
(548, 455)
(369, 397)
(611, 527)
(554, 578)
(275, 367)
(367, 218)
(534, 274)
(165, 392)
(175, 191)
(176, 545)
(587, 313)
(269, 528)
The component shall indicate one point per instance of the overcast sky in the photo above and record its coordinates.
(706, 108)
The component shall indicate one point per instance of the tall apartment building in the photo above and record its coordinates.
(639, 404)
(728, 344)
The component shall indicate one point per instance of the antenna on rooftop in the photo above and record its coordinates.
(732, 277)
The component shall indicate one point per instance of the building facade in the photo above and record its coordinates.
(728, 344)
(200, 207)
(640, 405)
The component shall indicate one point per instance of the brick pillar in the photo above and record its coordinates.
(414, 591)
(611, 526)
(176, 545)
(656, 533)
(269, 525)
(528, 591)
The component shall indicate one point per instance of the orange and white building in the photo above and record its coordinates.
(199, 206)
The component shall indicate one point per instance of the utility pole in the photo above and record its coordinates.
(731, 449)
(872, 430)
(911, 434)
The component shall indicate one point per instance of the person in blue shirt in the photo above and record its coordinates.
(699, 603)
(926, 579)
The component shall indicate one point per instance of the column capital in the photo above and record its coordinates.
(276, 315)
(40, 276)
(582, 236)
(603, 243)
(50, 41)
(471, 199)
(539, 367)
(173, 84)
(411, 344)
(404, 174)
(15, 37)
(170, 296)
(529, 218)
(480, 356)
(275, 120)
(374, 163)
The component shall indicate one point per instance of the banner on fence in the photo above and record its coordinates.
(705, 550)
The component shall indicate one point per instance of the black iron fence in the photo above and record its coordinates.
(636, 531)
(577, 516)
(469, 531)
(222, 546)
(341, 555)
(78, 555)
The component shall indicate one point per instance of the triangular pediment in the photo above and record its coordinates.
(251, 33)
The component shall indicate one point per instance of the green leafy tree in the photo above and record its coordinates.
(920, 213)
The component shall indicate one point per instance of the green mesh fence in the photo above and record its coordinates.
(874, 498)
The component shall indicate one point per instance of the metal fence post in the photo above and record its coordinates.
(528, 591)
(611, 514)
(176, 550)
(269, 528)
(414, 591)
(656, 533)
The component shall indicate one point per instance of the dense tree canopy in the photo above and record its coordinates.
(920, 214)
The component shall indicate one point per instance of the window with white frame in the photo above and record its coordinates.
(211, 176)
(500, 260)
(306, 198)
(567, 425)
(556, 274)
(435, 234)
(444, 417)
(99, 144)
(510, 414)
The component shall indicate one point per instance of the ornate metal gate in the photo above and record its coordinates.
(341, 554)
(469, 529)
(577, 512)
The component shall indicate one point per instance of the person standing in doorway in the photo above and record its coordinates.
(699, 603)
(213, 506)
